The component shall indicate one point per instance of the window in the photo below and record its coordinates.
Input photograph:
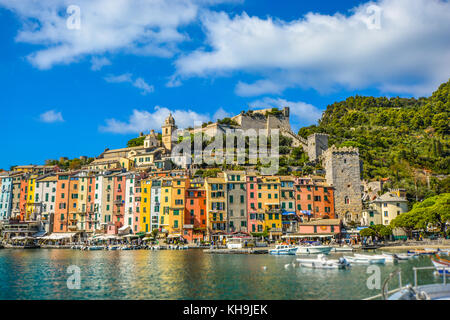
(386, 213)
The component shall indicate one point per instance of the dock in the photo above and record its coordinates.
(239, 251)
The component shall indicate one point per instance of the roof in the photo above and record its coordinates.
(49, 178)
(390, 197)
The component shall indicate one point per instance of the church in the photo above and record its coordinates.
(155, 153)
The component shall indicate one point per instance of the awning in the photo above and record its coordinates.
(148, 238)
(288, 213)
(40, 234)
(59, 236)
(131, 236)
(124, 228)
(312, 235)
(177, 235)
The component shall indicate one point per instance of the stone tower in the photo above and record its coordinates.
(317, 144)
(343, 172)
(167, 129)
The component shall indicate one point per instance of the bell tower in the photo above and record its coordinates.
(167, 129)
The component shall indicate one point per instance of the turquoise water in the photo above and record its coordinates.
(191, 274)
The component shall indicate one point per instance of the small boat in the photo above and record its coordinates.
(388, 257)
(114, 247)
(283, 249)
(442, 266)
(323, 263)
(422, 252)
(95, 248)
(314, 249)
(365, 260)
(343, 249)
(403, 256)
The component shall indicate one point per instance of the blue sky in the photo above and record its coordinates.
(72, 92)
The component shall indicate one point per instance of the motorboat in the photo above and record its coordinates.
(323, 263)
(283, 249)
(342, 249)
(365, 259)
(314, 249)
(95, 248)
(388, 257)
(114, 247)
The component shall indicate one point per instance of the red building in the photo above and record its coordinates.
(314, 198)
(195, 216)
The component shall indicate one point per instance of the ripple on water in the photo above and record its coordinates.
(42, 274)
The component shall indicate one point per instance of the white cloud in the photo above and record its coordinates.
(51, 116)
(144, 86)
(220, 114)
(127, 77)
(131, 26)
(143, 121)
(409, 53)
(97, 63)
(301, 113)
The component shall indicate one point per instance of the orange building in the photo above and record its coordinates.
(23, 197)
(314, 198)
(194, 229)
(61, 218)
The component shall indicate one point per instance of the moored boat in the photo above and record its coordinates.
(343, 249)
(323, 263)
(314, 249)
(283, 249)
(387, 257)
(365, 260)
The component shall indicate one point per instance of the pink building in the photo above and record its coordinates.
(255, 222)
(323, 228)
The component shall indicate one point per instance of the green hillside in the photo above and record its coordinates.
(404, 139)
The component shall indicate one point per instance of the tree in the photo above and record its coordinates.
(433, 211)
(367, 232)
(136, 142)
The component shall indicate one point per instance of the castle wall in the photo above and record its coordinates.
(317, 144)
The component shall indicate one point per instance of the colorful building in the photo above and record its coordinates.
(237, 216)
(195, 212)
(314, 198)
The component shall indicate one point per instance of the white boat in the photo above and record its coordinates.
(365, 260)
(388, 257)
(323, 263)
(342, 249)
(283, 249)
(313, 249)
(95, 248)
(403, 256)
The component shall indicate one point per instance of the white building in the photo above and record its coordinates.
(155, 199)
(98, 211)
(130, 180)
(383, 209)
(45, 196)
(5, 196)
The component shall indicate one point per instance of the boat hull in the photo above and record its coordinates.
(290, 251)
(314, 250)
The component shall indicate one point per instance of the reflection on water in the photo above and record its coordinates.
(42, 274)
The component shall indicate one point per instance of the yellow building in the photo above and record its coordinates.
(269, 204)
(145, 217)
(31, 207)
(176, 206)
(216, 206)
